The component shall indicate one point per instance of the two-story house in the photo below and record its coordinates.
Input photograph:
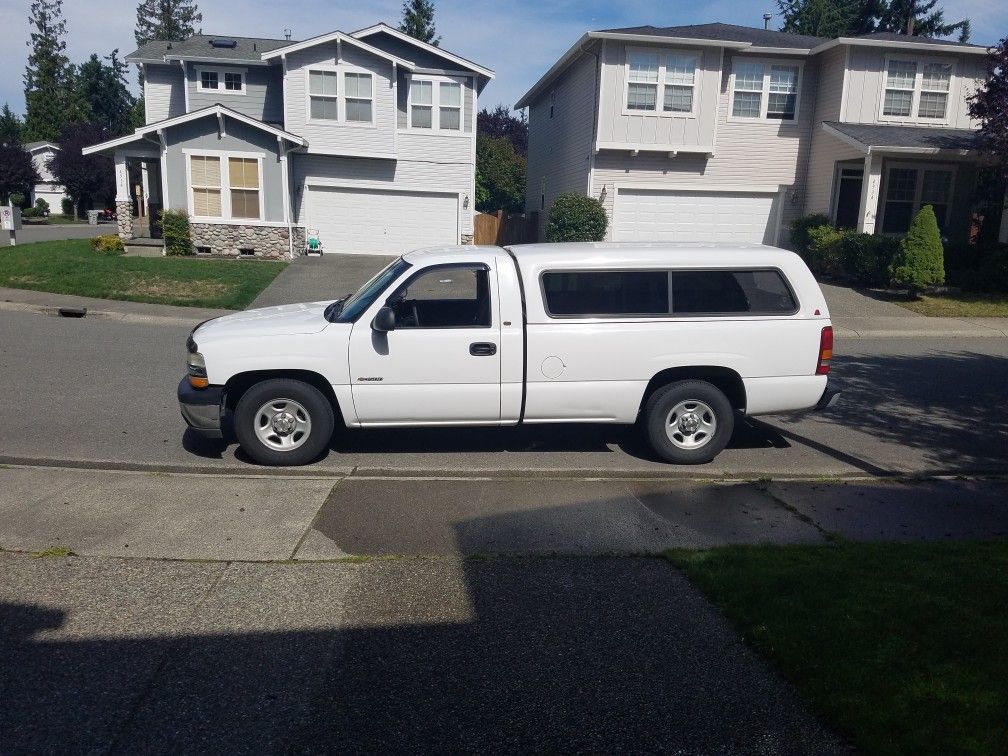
(48, 187)
(726, 133)
(366, 139)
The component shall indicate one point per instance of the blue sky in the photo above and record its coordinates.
(519, 39)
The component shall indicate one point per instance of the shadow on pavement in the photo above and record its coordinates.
(548, 655)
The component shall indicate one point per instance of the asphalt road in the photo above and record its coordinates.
(29, 234)
(104, 391)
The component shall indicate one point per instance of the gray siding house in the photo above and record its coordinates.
(716, 132)
(366, 140)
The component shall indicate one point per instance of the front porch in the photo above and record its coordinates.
(898, 170)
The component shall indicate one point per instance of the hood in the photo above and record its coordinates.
(285, 320)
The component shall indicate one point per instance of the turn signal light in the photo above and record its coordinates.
(197, 381)
(825, 351)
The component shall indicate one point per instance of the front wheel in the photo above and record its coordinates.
(283, 422)
(688, 422)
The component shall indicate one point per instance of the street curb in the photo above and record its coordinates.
(121, 317)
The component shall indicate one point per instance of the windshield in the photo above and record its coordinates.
(354, 305)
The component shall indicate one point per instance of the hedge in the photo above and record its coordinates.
(176, 233)
(576, 217)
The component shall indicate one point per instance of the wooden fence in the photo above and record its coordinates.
(506, 228)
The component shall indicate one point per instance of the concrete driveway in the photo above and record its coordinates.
(314, 279)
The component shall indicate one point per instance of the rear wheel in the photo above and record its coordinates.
(283, 422)
(688, 422)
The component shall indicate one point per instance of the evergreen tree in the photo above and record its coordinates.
(920, 260)
(10, 127)
(48, 77)
(166, 20)
(927, 20)
(418, 21)
(102, 91)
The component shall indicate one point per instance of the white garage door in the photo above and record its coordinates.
(650, 215)
(381, 222)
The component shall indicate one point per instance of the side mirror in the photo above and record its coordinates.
(384, 320)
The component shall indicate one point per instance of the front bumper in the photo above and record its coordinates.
(829, 397)
(201, 408)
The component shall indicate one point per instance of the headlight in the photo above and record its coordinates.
(196, 367)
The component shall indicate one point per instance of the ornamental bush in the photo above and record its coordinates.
(800, 228)
(109, 244)
(920, 260)
(865, 258)
(176, 233)
(42, 206)
(67, 206)
(576, 217)
(823, 252)
(18, 199)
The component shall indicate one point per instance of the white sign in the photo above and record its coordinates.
(10, 218)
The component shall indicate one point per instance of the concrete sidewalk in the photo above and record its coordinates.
(617, 655)
(270, 518)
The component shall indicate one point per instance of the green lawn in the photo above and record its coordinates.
(73, 267)
(961, 305)
(899, 648)
(56, 219)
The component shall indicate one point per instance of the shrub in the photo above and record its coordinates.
(983, 267)
(42, 206)
(576, 217)
(17, 199)
(67, 206)
(30, 212)
(109, 244)
(920, 260)
(800, 228)
(822, 253)
(175, 230)
(865, 258)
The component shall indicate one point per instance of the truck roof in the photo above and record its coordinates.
(633, 253)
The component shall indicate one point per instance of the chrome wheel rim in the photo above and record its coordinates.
(282, 424)
(691, 424)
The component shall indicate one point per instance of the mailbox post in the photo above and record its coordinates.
(10, 221)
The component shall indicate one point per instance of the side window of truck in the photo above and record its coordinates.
(731, 292)
(444, 296)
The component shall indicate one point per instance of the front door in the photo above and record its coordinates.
(848, 204)
(441, 362)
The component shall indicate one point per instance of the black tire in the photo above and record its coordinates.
(661, 403)
(305, 448)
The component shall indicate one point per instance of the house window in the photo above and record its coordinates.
(450, 106)
(220, 80)
(233, 81)
(783, 96)
(359, 103)
(208, 80)
(421, 104)
(322, 95)
(668, 79)
(225, 186)
(918, 88)
(435, 104)
(900, 78)
(935, 81)
(680, 76)
(908, 189)
(766, 91)
(748, 97)
(642, 82)
(205, 177)
(243, 178)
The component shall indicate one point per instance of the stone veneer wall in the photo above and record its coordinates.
(227, 239)
(124, 219)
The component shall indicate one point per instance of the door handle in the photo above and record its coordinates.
(482, 349)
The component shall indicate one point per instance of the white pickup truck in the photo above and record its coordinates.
(676, 337)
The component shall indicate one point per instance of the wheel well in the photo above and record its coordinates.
(724, 378)
(238, 384)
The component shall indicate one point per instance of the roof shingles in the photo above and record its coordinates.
(198, 46)
(883, 136)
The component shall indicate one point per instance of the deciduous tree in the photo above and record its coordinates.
(17, 171)
(502, 123)
(989, 106)
(500, 175)
(87, 178)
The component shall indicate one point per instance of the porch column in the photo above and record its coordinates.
(124, 207)
(871, 185)
(1003, 232)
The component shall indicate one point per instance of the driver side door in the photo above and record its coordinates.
(441, 363)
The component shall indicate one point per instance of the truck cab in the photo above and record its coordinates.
(676, 337)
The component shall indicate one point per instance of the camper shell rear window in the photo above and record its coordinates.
(667, 293)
